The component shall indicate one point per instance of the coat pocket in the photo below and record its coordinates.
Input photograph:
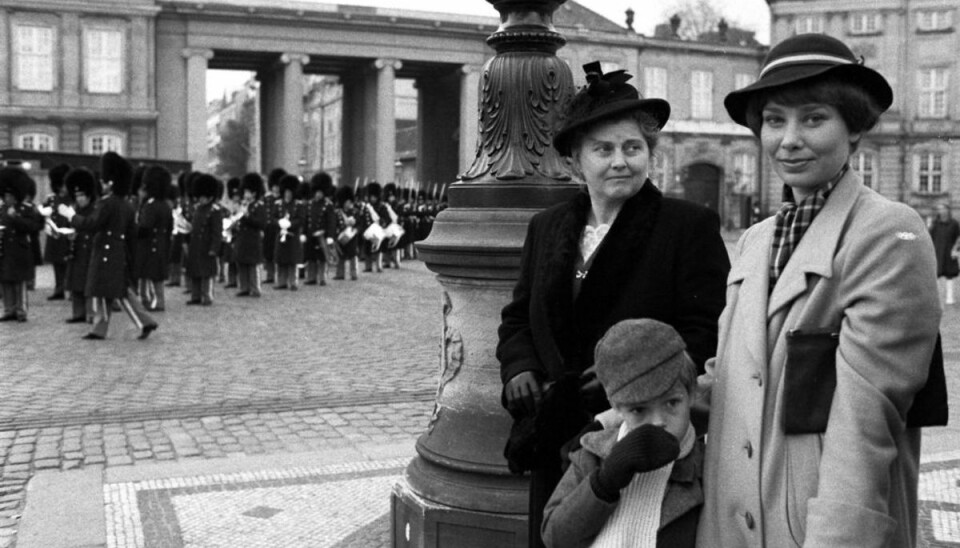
(810, 379)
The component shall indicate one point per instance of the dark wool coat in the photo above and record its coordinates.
(248, 236)
(111, 223)
(78, 261)
(575, 515)
(152, 251)
(289, 251)
(663, 259)
(321, 216)
(205, 238)
(271, 229)
(351, 248)
(16, 250)
(55, 250)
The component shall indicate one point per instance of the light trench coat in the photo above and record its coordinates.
(865, 268)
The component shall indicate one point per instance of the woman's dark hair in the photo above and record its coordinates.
(648, 128)
(857, 108)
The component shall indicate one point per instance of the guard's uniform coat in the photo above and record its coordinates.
(288, 251)
(153, 240)
(78, 262)
(248, 238)
(205, 239)
(110, 261)
(16, 252)
(866, 269)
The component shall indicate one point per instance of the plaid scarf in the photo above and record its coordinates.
(792, 222)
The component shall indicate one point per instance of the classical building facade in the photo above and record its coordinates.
(914, 154)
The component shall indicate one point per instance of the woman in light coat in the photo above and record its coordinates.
(844, 281)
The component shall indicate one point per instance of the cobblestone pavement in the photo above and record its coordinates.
(293, 372)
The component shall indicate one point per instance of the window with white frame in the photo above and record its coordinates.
(658, 170)
(745, 172)
(865, 163)
(865, 22)
(36, 141)
(103, 60)
(33, 45)
(932, 87)
(934, 20)
(654, 82)
(701, 96)
(100, 142)
(928, 172)
(742, 80)
(804, 24)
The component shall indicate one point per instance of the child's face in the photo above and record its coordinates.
(670, 411)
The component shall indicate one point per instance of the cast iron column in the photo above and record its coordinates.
(458, 491)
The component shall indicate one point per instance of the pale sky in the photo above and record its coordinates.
(750, 14)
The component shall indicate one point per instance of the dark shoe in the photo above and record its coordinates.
(268, 281)
(294, 288)
(230, 286)
(193, 301)
(311, 282)
(22, 319)
(156, 309)
(173, 284)
(280, 287)
(323, 282)
(56, 297)
(92, 337)
(338, 277)
(353, 278)
(255, 295)
(243, 294)
(206, 303)
(147, 329)
(8, 318)
(368, 270)
(81, 319)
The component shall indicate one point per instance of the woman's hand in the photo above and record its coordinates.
(523, 393)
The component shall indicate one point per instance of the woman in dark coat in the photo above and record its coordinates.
(154, 227)
(110, 274)
(618, 250)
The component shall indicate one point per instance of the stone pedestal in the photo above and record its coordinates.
(458, 491)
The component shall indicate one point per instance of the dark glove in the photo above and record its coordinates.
(645, 448)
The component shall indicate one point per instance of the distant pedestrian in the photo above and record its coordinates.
(19, 221)
(110, 276)
(206, 233)
(945, 232)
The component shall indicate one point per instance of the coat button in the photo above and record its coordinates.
(106, 246)
(748, 447)
(748, 518)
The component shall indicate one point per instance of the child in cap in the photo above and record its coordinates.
(638, 483)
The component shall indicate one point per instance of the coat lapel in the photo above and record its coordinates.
(814, 254)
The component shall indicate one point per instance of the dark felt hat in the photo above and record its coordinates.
(806, 57)
(253, 182)
(273, 178)
(115, 169)
(56, 175)
(205, 185)
(81, 180)
(156, 179)
(16, 181)
(605, 96)
(638, 360)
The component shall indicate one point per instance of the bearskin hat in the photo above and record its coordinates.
(374, 190)
(16, 181)
(233, 187)
(81, 180)
(56, 175)
(254, 183)
(389, 189)
(156, 179)
(205, 185)
(322, 182)
(273, 178)
(221, 189)
(173, 193)
(115, 169)
(303, 190)
(343, 194)
(289, 183)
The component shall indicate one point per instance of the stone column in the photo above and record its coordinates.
(5, 59)
(469, 94)
(196, 121)
(382, 128)
(291, 120)
(458, 491)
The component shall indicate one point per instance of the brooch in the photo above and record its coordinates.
(581, 274)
